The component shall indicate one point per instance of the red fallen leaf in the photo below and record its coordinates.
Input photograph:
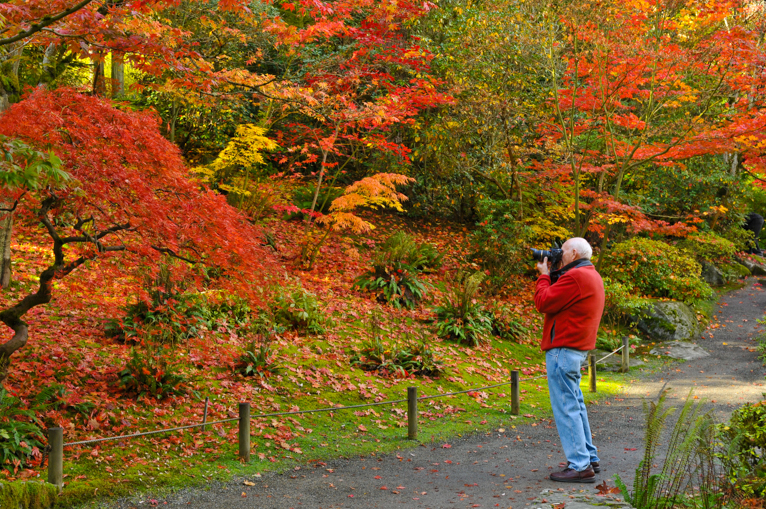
(378, 477)
(400, 487)
(448, 462)
(362, 428)
(531, 416)
(351, 496)
(446, 446)
(384, 487)
(631, 449)
(604, 489)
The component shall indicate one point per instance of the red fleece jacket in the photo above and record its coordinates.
(573, 307)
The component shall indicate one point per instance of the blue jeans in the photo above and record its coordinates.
(569, 406)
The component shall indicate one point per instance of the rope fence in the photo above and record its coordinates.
(56, 442)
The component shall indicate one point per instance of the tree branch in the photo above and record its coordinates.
(44, 22)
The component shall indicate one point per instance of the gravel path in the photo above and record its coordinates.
(510, 468)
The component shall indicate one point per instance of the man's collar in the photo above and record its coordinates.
(582, 262)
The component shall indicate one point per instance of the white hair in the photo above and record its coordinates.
(582, 247)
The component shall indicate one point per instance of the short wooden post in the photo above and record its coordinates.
(56, 457)
(625, 355)
(204, 416)
(244, 432)
(515, 408)
(592, 371)
(412, 413)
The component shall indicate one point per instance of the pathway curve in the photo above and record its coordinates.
(502, 469)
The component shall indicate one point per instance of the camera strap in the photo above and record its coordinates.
(556, 274)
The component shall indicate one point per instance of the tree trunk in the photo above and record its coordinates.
(48, 69)
(99, 80)
(6, 231)
(118, 76)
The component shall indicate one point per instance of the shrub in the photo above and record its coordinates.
(400, 248)
(298, 309)
(20, 432)
(150, 372)
(397, 284)
(507, 325)
(656, 269)
(744, 443)
(498, 242)
(621, 306)
(256, 360)
(461, 317)
(708, 247)
(397, 361)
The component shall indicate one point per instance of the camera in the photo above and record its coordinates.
(554, 255)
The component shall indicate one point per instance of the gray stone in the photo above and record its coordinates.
(580, 499)
(712, 274)
(756, 269)
(669, 321)
(680, 350)
(613, 362)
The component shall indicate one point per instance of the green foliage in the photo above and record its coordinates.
(656, 269)
(169, 315)
(20, 430)
(498, 242)
(743, 444)
(400, 248)
(621, 305)
(256, 360)
(22, 167)
(27, 495)
(394, 274)
(152, 373)
(397, 360)
(299, 310)
(709, 247)
(507, 324)
(687, 461)
(461, 317)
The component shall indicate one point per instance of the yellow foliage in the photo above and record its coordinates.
(244, 149)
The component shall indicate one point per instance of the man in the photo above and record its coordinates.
(754, 223)
(573, 305)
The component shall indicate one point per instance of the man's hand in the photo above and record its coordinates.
(543, 267)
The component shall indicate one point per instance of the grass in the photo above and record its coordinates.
(331, 437)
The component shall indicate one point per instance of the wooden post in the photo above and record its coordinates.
(515, 409)
(625, 355)
(592, 371)
(244, 432)
(56, 457)
(412, 413)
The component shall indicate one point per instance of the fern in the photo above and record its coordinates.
(687, 459)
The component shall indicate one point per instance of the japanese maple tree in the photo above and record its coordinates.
(128, 193)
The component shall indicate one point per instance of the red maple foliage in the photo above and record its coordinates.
(130, 193)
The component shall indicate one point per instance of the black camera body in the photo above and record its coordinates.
(554, 255)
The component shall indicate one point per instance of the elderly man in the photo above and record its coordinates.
(573, 304)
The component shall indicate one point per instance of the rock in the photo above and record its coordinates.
(755, 268)
(680, 350)
(669, 321)
(580, 499)
(732, 271)
(613, 362)
(712, 274)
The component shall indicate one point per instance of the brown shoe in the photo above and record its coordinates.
(572, 475)
(595, 466)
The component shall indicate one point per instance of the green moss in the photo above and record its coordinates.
(734, 270)
(27, 495)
